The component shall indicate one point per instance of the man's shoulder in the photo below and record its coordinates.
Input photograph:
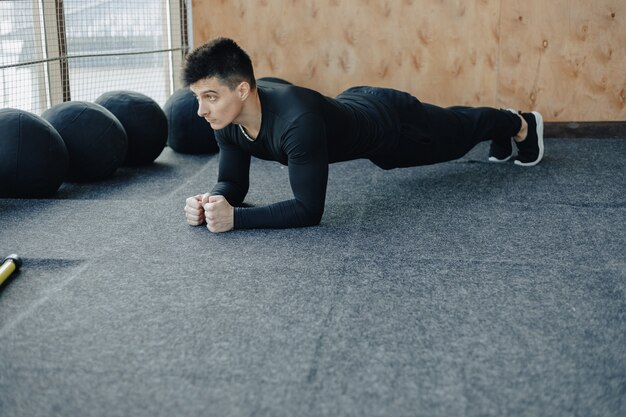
(290, 100)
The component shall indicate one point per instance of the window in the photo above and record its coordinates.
(58, 50)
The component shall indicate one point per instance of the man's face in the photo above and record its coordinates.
(217, 104)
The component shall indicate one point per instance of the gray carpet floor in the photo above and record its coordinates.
(461, 289)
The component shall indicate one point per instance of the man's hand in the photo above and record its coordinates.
(194, 212)
(219, 214)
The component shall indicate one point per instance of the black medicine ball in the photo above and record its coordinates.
(33, 157)
(96, 141)
(187, 132)
(144, 122)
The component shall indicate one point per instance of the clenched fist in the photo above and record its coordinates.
(194, 212)
(218, 213)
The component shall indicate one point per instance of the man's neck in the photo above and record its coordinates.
(250, 118)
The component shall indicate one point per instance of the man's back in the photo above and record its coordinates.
(354, 125)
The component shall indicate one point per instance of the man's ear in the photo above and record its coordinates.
(243, 90)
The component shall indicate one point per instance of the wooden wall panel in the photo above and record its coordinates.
(563, 57)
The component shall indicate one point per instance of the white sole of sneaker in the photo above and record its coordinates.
(499, 161)
(539, 121)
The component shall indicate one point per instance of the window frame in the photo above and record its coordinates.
(50, 45)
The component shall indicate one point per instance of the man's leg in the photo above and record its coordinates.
(452, 132)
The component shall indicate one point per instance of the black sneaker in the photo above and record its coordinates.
(501, 150)
(530, 150)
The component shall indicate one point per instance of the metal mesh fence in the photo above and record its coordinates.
(58, 50)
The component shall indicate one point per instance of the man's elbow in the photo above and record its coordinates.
(307, 214)
(314, 221)
(314, 217)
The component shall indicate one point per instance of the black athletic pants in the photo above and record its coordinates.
(429, 134)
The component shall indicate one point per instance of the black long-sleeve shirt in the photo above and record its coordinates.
(306, 131)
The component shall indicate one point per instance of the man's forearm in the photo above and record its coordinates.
(284, 214)
(232, 192)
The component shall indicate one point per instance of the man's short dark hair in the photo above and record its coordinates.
(221, 58)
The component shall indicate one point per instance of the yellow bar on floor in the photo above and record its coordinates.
(9, 265)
